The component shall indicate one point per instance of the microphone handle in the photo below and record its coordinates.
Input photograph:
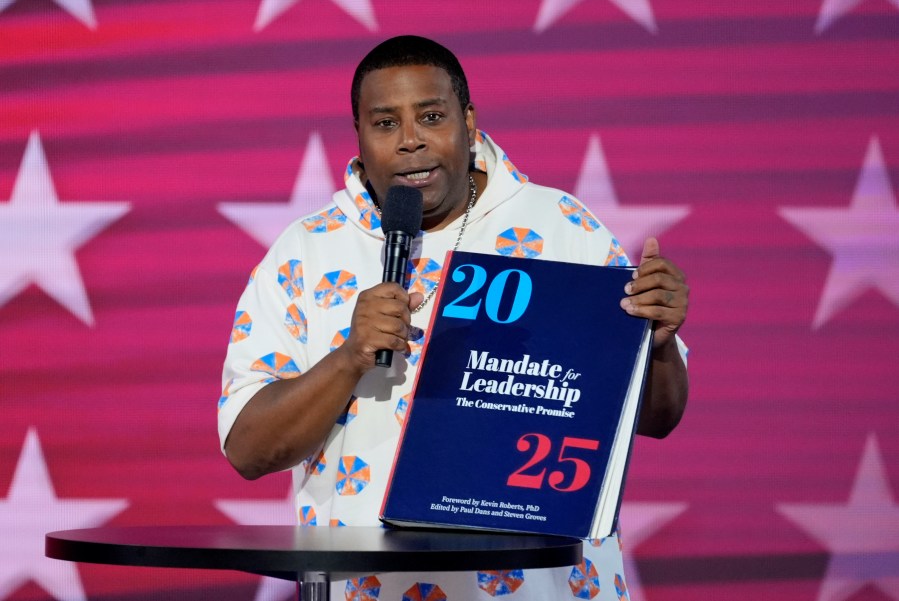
(383, 357)
(396, 256)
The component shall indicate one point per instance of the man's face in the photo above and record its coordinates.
(413, 132)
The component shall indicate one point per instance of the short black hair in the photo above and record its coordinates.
(405, 51)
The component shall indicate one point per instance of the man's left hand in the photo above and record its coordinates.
(659, 291)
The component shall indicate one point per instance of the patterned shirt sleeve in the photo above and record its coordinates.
(268, 338)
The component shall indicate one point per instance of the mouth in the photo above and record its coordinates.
(418, 177)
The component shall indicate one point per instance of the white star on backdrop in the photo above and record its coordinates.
(552, 10)
(80, 9)
(31, 510)
(311, 191)
(361, 10)
(831, 10)
(263, 513)
(630, 224)
(863, 239)
(639, 521)
(39, 235)
(862, 535)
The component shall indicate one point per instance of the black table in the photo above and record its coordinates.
(311, 556)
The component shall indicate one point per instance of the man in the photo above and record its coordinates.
(301, 390)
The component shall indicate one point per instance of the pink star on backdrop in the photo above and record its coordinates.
(264, 512)
(552, 10)
(39, 235)
(863, 239)
(831, 10)
(639, 521)
(630, 224)
(311, 191)
(31, 510)
(361, 10)
(82, 10)
(862, 535)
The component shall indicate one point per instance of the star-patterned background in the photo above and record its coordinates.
(150, 151)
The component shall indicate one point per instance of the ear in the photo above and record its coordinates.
(358, 141)
(471, 124)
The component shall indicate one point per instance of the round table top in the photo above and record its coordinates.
(285, 551)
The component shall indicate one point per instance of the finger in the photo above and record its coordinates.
(667, 315)
(660, 297)
(389, 290)
(648, 303)
(382, 333)
(394, 304)
(375, 317)
(663, 280)
(393, 343)
(650, 250)
(661, 268)
(368, 350)
(392, 326)
(415, 299)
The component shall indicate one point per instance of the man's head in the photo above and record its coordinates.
(415, 125)
(410, 50)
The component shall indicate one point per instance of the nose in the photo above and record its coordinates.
(412, 140)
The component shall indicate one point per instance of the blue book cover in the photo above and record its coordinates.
(525, 404)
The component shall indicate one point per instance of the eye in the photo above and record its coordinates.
(432, 117)
(385, 123)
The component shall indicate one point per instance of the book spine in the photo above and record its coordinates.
(632, 434)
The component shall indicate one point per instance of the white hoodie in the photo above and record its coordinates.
(298, 305)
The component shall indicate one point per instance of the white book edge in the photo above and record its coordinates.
(609, 495)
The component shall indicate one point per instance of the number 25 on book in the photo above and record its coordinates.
(542, 447)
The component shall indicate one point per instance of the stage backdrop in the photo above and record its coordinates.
(150, 151)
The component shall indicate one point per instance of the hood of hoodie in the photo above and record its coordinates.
(503, 182)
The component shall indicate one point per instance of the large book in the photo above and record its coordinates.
(525, 405)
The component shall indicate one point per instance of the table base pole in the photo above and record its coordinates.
(313, 586)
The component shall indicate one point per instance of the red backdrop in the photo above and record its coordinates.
(149, 149)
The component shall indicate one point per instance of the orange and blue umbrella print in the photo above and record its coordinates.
(335, 288)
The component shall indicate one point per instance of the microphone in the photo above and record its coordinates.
(400, 221)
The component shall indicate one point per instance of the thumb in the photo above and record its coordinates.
(415, 299)
(650, 250)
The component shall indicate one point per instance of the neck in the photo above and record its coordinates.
(439, 222)
(434, 223)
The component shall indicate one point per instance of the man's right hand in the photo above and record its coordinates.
(382, 319)
(289, 419)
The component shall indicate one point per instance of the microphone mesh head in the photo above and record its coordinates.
(402, 210)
